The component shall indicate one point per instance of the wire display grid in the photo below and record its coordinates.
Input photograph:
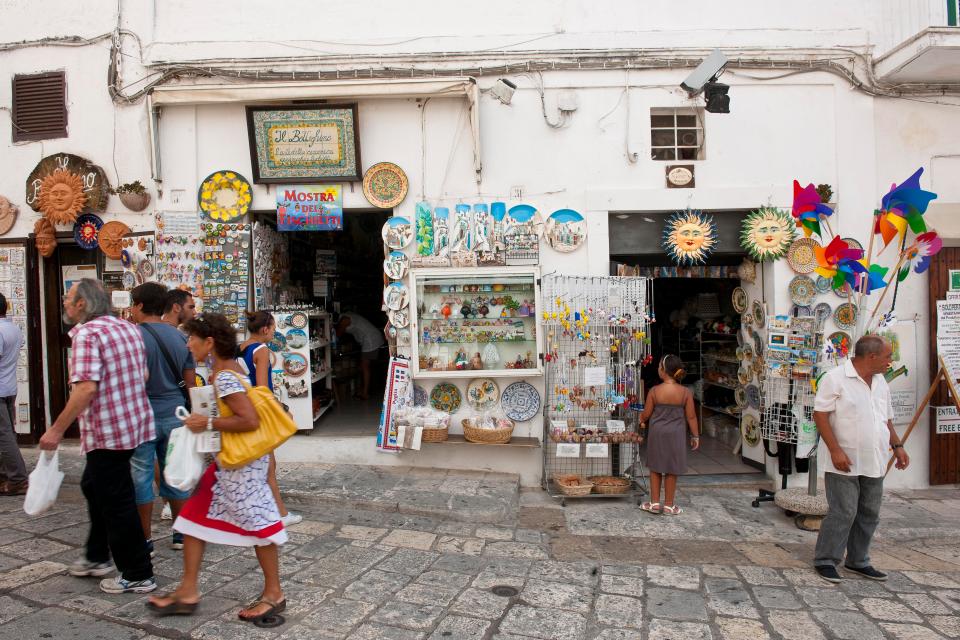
(791, 358)
(595, 342)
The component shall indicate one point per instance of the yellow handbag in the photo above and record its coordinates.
(240, 448)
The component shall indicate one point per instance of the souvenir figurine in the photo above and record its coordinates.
(446, 311)
(484, 310)
(465, 310)
(46, 237)
(524, 310)
(435, 310)
(476, 362)
(491, 357)
(460, 361)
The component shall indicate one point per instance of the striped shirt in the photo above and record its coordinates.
(110, 352)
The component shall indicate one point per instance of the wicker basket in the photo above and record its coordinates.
(622, 485)
(434, 435)
(486, 436)
(582, 488)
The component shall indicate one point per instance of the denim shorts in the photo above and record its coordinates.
(141, 465)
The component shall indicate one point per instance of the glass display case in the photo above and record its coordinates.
(476, 322)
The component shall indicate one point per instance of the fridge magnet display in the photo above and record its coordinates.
(845, 315)
(520, 401)
(767, 233)
(86, 229)
(224, 196)
(802, 256)
(482, 393)
(63, 185)
(395, 296)
(295, 365)
(296, 339)
(385, 185)
(739, 300)
(565, 230)
(751, 430)
(689, 237)
(399, 319)
(8, 215)
(445, 397)
(523, 219)
(396, 265)
(110, 238)
(802, 290)
(397, 232)
(759, 315)
(424, 219)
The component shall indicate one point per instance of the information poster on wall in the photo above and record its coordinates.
(948, 336)
(902, 336)
(310, 208)
(948, 421)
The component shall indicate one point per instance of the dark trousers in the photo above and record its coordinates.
(11, 462)
(852, 517)
(114, 522)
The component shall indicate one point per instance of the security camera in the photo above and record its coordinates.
(711, 66)
(503, 90)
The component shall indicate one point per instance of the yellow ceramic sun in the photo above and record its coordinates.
(225, 196)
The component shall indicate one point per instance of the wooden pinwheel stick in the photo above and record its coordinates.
(883, 294)
(941, 374)
(865, 282)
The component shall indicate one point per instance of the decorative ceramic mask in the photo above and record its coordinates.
(62, 197)
(689, 237)
(767, 233)
(46, 237)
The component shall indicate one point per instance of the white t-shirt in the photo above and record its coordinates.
(858, 415)
(361, 329)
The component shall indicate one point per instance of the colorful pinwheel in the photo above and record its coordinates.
(918, 254)
(903, 206)
(839, 262)
(874, 276)
(807, 208)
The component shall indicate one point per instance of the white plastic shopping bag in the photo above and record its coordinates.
(184, 462)
(44, 483)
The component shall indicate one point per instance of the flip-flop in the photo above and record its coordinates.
(673, 510)
(269, 618)
(175, 608)
(651, 507)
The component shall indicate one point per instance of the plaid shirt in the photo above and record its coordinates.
(110, 352)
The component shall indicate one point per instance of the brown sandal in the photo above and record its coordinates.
(270, 617)
(175, 608)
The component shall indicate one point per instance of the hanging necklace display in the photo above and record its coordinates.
(565, 230)
(689, 237)
(397, 232)
(766, 234)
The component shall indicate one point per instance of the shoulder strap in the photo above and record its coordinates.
(177, 375)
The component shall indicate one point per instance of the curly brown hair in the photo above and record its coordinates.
(216, 326)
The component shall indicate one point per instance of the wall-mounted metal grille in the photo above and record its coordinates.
(39, 106)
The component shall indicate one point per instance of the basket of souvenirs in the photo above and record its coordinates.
(488, 430)
(609, 484)
(572, 485)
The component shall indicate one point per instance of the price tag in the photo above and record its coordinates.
(616, 426)
(568, 450)
(597, 449)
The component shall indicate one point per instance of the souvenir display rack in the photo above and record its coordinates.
(13, 285)
(791, 360)
(226, 269)
(595, 331)
(302, 363)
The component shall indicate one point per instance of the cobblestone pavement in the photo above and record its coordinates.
(592, 570)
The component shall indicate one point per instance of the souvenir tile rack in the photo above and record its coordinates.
(595, 342)
(13, 285)
(791, 360)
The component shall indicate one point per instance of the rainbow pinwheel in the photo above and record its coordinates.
(903, 206)
(807, 208)
(874, 276)
(919, 253)
(839, 262)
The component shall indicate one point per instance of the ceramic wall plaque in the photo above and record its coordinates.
(689, 237)
(565, 230)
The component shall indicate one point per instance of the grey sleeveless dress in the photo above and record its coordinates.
(667, 438)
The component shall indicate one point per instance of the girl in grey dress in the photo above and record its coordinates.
(669, 411)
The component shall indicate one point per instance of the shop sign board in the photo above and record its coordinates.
(310, 208)
(948, 336)
(304, 143)
(948, 421)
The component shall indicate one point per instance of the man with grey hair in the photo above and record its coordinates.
(854, 415)
(108, 365)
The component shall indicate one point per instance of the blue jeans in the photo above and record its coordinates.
(141, 465)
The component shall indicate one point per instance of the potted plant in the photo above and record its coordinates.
(133, 195)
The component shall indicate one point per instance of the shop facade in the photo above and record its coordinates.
(458, 144)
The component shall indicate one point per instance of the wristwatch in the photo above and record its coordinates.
(896, 446)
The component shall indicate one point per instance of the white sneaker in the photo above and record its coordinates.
(166, 514)
(118, 585)
(291, 519)
(82, 568)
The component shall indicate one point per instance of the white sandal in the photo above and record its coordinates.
(672, 510)
(651, 507)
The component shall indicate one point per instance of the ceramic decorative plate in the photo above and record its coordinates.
(419, 396)
(296, 339)
(823, 284)
(295, 365)
(747, 319)
(845, 291)
(128, 280)
(396, 265)
(759, 314)
(841, 342)
(747, 271)
(757, 342)
(110, 236)
(801, 256)
(740, 397)
(802, 311)
(224, 196)
(739, 353)
(279, 342)
(753, 395)
(445, 397)
(146, 269)
(845, 315)
(520, 401)
(565, 230)
(853, 243)
(757, 366)
(747, 351)
(523, 219)
(395, 296)
(744, 375)
(398, 319)
(385, 185)
(86, 230)
(397, 232)
(750, 428)
(802, 290)
(821, 312)
(739, 299)
(297, 320)
(482, 394)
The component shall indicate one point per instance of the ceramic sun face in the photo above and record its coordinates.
(767, 233)
(62, 197)
(689, 237)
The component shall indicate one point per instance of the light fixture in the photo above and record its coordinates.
(503, 90)
(623, 216)
(715, 93)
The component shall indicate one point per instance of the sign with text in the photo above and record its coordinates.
(597, 450)
(310, 208)
(948, 421)
(568, 450)
(948, 336)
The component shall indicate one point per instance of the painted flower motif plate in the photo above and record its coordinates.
(224, 196)
(845, 315)
(445, 397)
(740, 397)
(385, 185)
(823, 284)
(801, 256)
(297, 320)
(520, 401)
(841, 342)
(759, 314)
(128, 280)
(295, 365)
(753, 395)
(482, 394)
(397, 232)
(395, 296)
(296, 339)
(739, 299)
(750, 428)
(844, 291)
(802, 290)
